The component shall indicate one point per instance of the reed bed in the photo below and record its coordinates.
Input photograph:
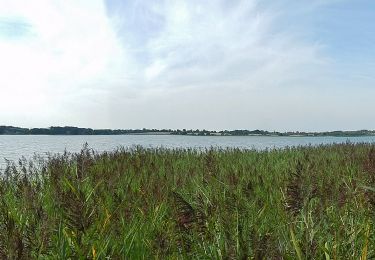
(294, 203)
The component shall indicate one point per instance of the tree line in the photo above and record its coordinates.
(71, 130)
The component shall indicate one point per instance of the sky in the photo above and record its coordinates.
(278, 65)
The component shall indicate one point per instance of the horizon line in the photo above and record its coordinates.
(185, 129)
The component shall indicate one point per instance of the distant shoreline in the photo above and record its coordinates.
(69, 130)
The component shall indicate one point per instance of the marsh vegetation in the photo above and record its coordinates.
(294, 203)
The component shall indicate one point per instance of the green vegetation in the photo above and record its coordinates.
(71, 130)
(296, 203)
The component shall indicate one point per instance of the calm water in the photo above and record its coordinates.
(13, 147)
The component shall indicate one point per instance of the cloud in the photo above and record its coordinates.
(182, 64)
(206, 49)
(212, 43)
(72, 48)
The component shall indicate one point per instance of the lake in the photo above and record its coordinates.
(12, 147)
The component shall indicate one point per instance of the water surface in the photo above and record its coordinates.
(12, 147)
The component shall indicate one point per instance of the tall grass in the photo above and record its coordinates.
(296, 203)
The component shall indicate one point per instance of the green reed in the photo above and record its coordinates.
(295, 203)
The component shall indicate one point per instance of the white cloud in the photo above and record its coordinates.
(154, 70)
(213, 44)
(182, 64)
(72, 47)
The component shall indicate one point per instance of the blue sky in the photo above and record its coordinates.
(273, 65)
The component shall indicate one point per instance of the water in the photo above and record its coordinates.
(12, 147)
